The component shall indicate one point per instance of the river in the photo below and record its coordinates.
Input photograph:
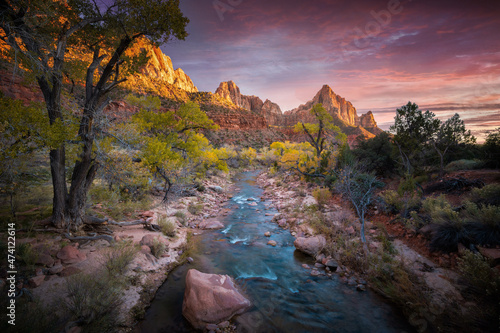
(285, 297)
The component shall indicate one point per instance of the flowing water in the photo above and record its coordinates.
(285, 297)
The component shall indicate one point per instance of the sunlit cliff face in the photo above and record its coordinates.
(378, 54)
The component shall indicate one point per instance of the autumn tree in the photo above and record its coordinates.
(323, 136)
(171, 145)
(41, 34)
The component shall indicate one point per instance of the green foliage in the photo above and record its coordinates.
(477, 271)
(464, 165)
(491, 149)
(376, 154)
(157, 247)
(144, 102)
(94, 300)
(489, 195)
(167, 226)
(118, 257)
(439, 210)
(181, 217)
(322, 196)
(195, 208)
(26, 254)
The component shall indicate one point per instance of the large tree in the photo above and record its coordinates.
(41, 34)
(450, 133)
(413, 130)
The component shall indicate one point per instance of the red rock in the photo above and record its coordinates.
(36, 281)
(310, 245)
(147, 213)
(71, 255)
(145, 249)
(210, 225)
(491, 254)
(350, 230)
(272, 242)
(150, 239)
(57, 268)
(211, 299)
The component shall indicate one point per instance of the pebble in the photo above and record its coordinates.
(306, 266)
(360, 287)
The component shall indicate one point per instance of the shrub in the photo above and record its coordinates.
(118, 257)
(488, 195)
(483, 224)
(181, 217)
(157, 248)
(447, 236)
(394, 203)
(26, 254)
(167, 226)
(322, 196)
(94, 301)
(439, 210)
(464, 165)
(195, 209)
(480, 276)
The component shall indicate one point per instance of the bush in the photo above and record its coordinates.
(439, 210)
(488, 195)
(195, 209)
(464, 165)
(483, 224)
(157, 248)
(118, 257)
(167, 226)
(181, 217)
(26, 254)
(447, 236)
(94, 301)
(322, 196)
(478, 273)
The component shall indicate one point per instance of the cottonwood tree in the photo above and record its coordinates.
(323, 136)
(171, 145)
(358, 187)
(41, 34)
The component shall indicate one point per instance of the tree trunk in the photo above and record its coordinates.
(58, 172)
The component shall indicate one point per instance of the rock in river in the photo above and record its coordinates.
(310, 245)
(211, 299)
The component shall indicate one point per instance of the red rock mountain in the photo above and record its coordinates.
(343, 112)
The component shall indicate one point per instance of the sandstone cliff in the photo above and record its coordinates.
(342, 111)
(158, 76)
(269, 110)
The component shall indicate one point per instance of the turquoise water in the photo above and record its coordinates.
(285, 297)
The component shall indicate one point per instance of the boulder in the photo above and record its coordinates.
(70, 255)
(210, 224)
(57, 268)
(44, 259)
(211, 299)
(267, 234)
(150, 239)
(217, 189)
(310, 245)
(493, 255)
(272, 243)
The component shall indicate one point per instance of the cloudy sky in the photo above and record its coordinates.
(378, 54)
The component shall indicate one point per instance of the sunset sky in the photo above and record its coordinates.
(378, 54)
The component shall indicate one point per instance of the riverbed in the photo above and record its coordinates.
(285, 297)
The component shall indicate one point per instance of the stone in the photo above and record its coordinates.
(45, 260)
(71, 255)
(320, 257)
(306, 266)
(145, 249)
(190, 260)
(211, 299)
(150, 239)
(36, 281)
(147, 214)
(331, 264)
(217, 189)
(210, 225)
(75, 329)
(360, 287)
(350, 230)
(310, 245)
(267, 234)
(253, 203)
(272, 242)
(224, 324)
(68, 271)
(318, 265)
(309, 201)
(57, 268)
(211, 327)
(282, 223)
(315, 272)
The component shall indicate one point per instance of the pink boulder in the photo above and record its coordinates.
(211, 299)
(310, 245)
(71, 255)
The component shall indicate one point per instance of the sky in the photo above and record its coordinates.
(379, 54)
